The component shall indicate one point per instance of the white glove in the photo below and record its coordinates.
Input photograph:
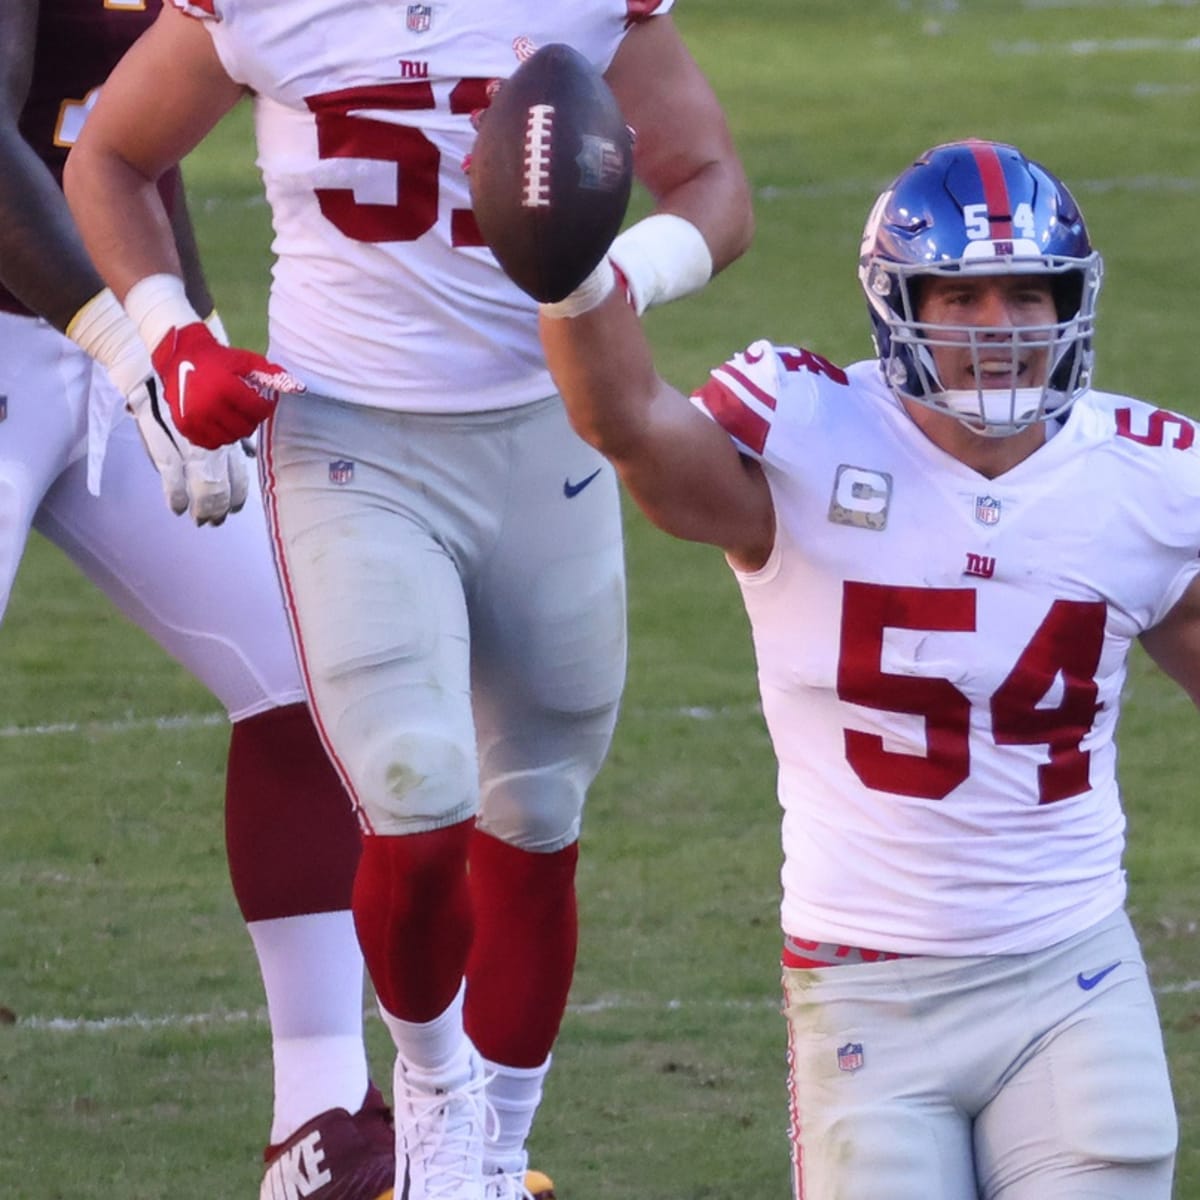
(208, 484)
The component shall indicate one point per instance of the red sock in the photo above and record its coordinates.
(290, 832)
(523, 956)
(413, 915)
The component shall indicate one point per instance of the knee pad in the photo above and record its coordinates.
(539, 809)
(890, 1152)
(414, 781)
(535, 767)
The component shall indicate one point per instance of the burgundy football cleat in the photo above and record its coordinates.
(336, 1156)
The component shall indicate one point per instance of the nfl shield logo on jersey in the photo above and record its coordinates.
(420, 17)
(850, 1056)
(987, 510)
(341, 470)
(3, 408)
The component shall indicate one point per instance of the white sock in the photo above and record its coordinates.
(312, 971)
(430, 1046)
(514, 1094)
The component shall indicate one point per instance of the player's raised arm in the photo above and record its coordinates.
(684, 155)
(548, 221)
(681, 468)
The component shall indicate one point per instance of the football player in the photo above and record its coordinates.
(946, 553)
(292, 839)
(452, 551)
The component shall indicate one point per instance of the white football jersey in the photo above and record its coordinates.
(383, 293)
(941, 655)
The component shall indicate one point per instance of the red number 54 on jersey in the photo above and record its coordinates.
(1067, 645)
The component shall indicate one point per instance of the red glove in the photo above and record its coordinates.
(217, 393)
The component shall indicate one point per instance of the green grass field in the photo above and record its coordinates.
(133, 1047)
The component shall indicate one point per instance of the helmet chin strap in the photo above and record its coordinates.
(994, 412)
(990, 412)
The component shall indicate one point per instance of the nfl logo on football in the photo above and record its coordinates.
(850, 1056)
(419, 17)
(987, 510)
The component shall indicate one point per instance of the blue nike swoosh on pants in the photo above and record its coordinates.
(573, 489)
(1087, 982)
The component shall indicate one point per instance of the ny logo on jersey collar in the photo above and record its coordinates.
(861, 497)
(419, 17)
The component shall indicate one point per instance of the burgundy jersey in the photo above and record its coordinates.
(78, 44)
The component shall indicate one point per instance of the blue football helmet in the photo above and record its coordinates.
(980, 208)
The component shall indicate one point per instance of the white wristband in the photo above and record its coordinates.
(158, 304)
(662, 258)
(104, 330)
(591, 293)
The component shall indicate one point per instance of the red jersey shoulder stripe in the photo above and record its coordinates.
(734, 415)
(742, 380)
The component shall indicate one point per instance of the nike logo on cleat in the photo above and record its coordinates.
(573, 489)
(1087, 982)
(298, 1171)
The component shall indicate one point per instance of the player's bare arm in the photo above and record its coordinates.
(111, 183)
(42, 259)
(684, 153)
(681, 468)
(128, 144)
(1174, 643)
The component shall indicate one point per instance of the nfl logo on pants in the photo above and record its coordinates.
(341, 470)
(850, 1056)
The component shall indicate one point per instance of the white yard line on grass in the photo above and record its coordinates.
(186, 721)
(1103, 4)
(125, 725)
(604, 1004)
(1089, 47)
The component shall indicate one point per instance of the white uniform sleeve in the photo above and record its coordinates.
(755, 391)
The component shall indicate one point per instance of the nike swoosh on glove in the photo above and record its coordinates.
(217, 393)
(208, 484)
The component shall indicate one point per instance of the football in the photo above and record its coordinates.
(551, 172)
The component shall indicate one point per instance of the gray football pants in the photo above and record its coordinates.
(456, 586)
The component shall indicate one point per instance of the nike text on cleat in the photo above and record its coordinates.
(336, 1156)
(573, 489)
(185, 369)
(1087, 982)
